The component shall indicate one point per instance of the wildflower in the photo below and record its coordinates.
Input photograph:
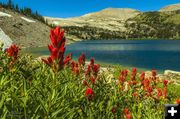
(88, 70)
(146, 83)
(89, 93)
(149, 89)
(178, 101)
(124, 73)
(92, 79)
(57, 49)
(76, 69)
(159, 92)
(127, 113)
(96, 68)
(48, 61)
(113, 110)
(72, 65)
(122, 79)
(12, 52)
(126, 110)
(92, 61)
(154, 73)
(85, 83)
(134, 71)
(165, 92)
(142, 76)
(135, 94)
(81, 59)
(68, 58)
(165, 82)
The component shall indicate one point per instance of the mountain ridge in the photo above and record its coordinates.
(120, 23)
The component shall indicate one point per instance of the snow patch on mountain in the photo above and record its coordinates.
(2, 14)
(28, 20)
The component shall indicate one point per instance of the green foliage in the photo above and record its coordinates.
(30, 89)
(155, 25)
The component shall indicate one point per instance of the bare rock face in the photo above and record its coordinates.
(4, 39)
(22, 30)
(170, 8)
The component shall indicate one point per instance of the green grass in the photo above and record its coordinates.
(30, 89)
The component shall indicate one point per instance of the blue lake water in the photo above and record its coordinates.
(147, 54)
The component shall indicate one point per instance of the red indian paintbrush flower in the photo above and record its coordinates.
(178, 101)
(92, 61)
(95, 68)
(12, 52)
(75, 68)
(89, 93)
(154, 73)
(92, 79)
(134, 71)
(165, 92)
(149, 90)
(165, 82)
(146, 83)
(133, 74)
(82, 59)
(159, 92)
(142, 76)
(127, 113)
(122, 79)
(135, 94)
(85, 83)
(124, 72)
(57, 49)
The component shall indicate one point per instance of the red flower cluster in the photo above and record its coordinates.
(142, 76)
(165, 82)
(159, 92)
(75, 68)
(127, 113)
(92, 71)
(92, 68)
(57, 48)
(178, 101)
(123, 76)
(82, 59)
(148, 84)
(12, 52)
(89, 93)
(133, 75)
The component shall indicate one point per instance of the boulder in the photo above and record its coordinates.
(172, 75)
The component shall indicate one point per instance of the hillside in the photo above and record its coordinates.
(123, 23)
(155, 25)
(97, 24)
(22, 30)
(170, 8)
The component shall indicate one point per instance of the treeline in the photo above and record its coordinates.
(154, 25)
(25, 11)
(149, 25)
(93, 33)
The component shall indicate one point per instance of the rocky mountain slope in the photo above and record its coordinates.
(22, 30)
(116, 23)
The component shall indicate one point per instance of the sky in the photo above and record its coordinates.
(73, 8)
